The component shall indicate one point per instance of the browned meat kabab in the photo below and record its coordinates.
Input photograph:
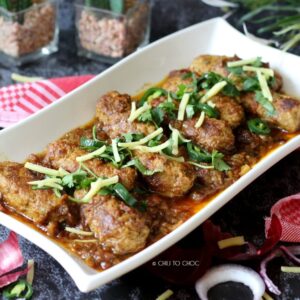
(174, 181)
(175, 79)
(212, 135)
(40, 206)
(211, 63)
(218, 64)
(230, 111)
(113, 110)
(286, 115)
(63, 152)
(119, 228)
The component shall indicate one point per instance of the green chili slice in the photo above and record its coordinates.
(258, 126)
(21, 289)
(123, 193)
(150, 92)
(210, 111)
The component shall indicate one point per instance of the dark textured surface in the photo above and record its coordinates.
(243, 215)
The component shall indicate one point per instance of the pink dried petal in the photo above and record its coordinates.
(10, 254)
(12, 277)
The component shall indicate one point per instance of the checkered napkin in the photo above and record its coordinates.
(19, 101)
(288, 212)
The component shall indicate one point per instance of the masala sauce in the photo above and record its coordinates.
(100, 259)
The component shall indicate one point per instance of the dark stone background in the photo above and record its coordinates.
(243, 215)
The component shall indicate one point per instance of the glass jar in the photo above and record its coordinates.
(108, 36)
(28, 34)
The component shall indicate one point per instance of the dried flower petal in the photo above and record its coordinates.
(10, 254)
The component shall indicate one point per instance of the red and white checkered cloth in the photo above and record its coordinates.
(288, 212)
(18, 101)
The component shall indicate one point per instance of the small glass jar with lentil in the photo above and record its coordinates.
(28, 30)
(108, 30)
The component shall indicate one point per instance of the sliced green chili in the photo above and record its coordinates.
(20, 289)
(258, 126)
(150, 92)
(123, 193)
(210, 111)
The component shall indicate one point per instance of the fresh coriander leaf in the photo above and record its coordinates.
(190, 111)
(197, 154)
(235, 70)
(230, 89)
(218, 162)
(132, 137)
(179, 93)
(74, 179)
(146, 116)
(251, 84)
(142, 169)
(169, 108)
(208, 80)
(157, 115)
(257, 63)
(265, 103)
(156, 141)
(209, 111)
(90, 144)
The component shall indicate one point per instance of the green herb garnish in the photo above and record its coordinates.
(258, 126)
(150, 92)
(20, 289)
(215, 158)
(208, 80)
(265, 103)
(142, 169)
(218, 162)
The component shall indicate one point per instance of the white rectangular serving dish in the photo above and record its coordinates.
(149, 65)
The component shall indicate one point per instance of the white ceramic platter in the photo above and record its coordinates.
(149, 65)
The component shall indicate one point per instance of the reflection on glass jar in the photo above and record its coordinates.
(28, 34)
(112, 31)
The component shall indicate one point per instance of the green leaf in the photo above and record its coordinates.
(251, 84)
(208, 80)
(150, 92)
(145, 116)
(190, 111)
(156, 141)
(218, 162)
(265, 103)
(75, 179)
(235, 70)
(179, 93)
(132, 137)
(20, 289)
(257, 63)
(197, 154)
(121, 191)
(90, 144)
(209, 111)
(142, 169)
(157, 115)
(169, 108)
